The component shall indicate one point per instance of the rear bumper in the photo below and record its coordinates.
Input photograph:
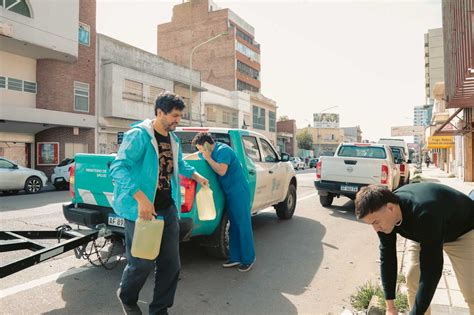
(92, 217)
(326, 187)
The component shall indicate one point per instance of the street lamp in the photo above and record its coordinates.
(191, 77)
(317, 129)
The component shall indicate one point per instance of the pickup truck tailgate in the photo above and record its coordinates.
(351, 170)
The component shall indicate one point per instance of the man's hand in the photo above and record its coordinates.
(200, 179)
(146, 209)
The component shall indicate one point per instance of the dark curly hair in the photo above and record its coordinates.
(202, 138)
(373, 197)
(167, 101)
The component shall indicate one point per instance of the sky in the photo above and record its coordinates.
(365, 57)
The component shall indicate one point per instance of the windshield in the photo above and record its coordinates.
(362, 152)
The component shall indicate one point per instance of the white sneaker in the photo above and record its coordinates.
(230, 264)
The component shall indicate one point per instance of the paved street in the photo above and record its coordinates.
(308, 265)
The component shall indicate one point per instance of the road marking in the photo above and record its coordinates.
(306, 197)
(35, 283)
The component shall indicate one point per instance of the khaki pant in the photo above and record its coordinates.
(461, 254)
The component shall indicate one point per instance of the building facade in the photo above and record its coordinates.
(47, 81)
(129, 80)
(421, 117)
(434, 62)
(286, 136)
(325, 140)
(264, 111)
(231, 62)
(227, 109)
(352, 134)
(458, 28)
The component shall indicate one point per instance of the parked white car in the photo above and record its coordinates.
(297, 163)
(60, 176)
(354, 166)
(14, 178)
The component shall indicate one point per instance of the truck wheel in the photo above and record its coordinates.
(218, 243)
(33, 184)
(326, 201)
(286, 208)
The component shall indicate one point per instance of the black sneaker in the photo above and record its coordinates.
(245, 268)
(230, 264)
(127, 308)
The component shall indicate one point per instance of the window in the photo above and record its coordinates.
(271, 121)
(132, 90)
(81, 97)
(5, 164)
(247, 52)
(247, 70)
(84, 34)
(153, 94)
(3, 82)
(15, 84)
(47, 153)
(268, 153)
(17, 6)
(259, 118)
(251, 148)
(242, 86)
(211, 113)
(362, 152)
(29, 87)
(186, 137)
(226, 117)
(235, 120)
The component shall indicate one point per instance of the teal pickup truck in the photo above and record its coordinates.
(271, 178)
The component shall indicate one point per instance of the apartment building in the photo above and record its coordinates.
(434, 62)
(47, 80)
(129, 80)
(231, 61)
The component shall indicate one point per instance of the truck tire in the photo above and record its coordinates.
(286, 208)
(218, 243)
(326, 201)
(33, 184)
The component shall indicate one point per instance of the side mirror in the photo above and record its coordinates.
(15, 167)
(409, 161)
(285, 157)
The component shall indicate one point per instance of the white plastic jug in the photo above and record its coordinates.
(147, 238)
(205, 204)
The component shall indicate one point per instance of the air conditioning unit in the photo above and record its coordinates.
(6, 29)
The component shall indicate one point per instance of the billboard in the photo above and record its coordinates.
(326, 120)
(400, 131)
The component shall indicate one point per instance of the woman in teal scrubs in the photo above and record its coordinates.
(225, 163)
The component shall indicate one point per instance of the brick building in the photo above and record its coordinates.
(286, 136)
(231, 62)
(47, 81)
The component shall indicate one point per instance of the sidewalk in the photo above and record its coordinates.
(448, 298)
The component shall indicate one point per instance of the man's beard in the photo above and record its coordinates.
(169, 127)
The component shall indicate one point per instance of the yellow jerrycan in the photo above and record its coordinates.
(205, 204)
(147, 238)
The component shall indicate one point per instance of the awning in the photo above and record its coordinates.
(452, 132)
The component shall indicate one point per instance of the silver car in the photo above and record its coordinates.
(14, 178)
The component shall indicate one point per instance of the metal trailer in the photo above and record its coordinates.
(67, 238)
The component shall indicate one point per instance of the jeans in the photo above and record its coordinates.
(167, 266)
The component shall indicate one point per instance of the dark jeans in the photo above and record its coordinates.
(167, 266)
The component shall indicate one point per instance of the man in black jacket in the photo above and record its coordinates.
(433, 215)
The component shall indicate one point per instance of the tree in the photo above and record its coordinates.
(283, 118)
(305, 140)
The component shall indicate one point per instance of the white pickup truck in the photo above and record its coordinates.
(355, 165)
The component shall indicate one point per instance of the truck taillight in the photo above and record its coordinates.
(384, 175)
(318, 169)
(72, 172)
(402, 167)
(188, 191)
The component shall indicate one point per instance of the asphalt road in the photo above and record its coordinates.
(310, 264)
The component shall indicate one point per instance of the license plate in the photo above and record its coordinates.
(349, 188)
(116, 221)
